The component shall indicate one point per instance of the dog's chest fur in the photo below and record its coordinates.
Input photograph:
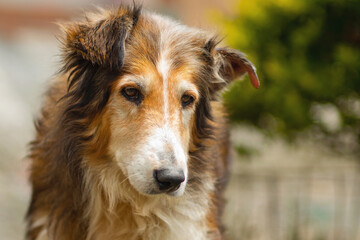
(153, 221)
(119, 212)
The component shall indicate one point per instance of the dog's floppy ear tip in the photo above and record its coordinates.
(234, 64)
(253, 76)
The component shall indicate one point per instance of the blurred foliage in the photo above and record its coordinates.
(307, 54)
(245, 151)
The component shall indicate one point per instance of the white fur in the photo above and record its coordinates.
(42, 235)
(138, 165)
(39, 222)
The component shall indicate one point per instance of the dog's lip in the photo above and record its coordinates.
(174, 189)
(170, 192)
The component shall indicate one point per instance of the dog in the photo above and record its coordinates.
(132, 140)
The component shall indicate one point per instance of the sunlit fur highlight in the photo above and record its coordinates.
(89, 135)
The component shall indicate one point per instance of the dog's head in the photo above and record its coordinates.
(152, 80)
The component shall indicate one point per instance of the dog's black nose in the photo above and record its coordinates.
(169, 179)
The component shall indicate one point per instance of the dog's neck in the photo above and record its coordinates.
(117, 211)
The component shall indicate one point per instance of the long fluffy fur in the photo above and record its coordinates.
(78, 190)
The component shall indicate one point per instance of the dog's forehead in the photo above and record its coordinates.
(160, 46)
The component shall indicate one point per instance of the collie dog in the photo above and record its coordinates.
(132, 141)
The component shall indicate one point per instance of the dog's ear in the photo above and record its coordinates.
(101, 41)
(231, 64)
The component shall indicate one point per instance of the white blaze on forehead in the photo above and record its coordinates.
(168, 135)
(164, 68)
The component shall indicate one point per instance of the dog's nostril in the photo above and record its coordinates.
(169, 179)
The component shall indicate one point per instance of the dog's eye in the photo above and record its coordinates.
(186, 100)
(132, 94)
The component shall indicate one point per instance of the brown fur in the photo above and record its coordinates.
(78, 192)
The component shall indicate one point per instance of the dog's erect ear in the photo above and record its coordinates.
(101, 40)
(232, 64)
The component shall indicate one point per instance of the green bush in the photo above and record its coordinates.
(307, 54)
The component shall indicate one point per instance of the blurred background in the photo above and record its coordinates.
(296, 172)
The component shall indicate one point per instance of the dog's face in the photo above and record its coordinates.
(160, 99)
(152, 112)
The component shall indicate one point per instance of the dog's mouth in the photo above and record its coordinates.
(173, 191)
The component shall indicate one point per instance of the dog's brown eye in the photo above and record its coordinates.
(132, 94)
(186, 100)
